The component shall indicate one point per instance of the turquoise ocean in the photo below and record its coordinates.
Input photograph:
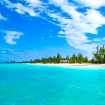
(26, 84)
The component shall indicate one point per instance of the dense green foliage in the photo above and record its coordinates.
(58, 59)
(55, 59)
(78, 58)
(98, 57)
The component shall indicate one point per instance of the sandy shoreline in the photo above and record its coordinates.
(70, 65)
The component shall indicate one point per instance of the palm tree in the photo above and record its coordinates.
(50, 59)
(99, 54)
(58, 58)
(54, 59)
(102, 53)
(80, 58)
(96, 54)
(44, 60)
(67, 57)
(85, 60)
(73, 59)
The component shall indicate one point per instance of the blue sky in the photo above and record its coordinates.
(31, 29)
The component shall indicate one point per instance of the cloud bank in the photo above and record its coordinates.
(78, 19)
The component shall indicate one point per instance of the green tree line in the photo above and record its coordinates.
(58, 59)
(98, 57)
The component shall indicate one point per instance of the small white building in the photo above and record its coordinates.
(64, 60)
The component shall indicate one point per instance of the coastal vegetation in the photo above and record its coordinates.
(98, 57)
(58, 59)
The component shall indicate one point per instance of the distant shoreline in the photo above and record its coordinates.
(69, 65)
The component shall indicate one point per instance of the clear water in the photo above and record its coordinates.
(24, 84)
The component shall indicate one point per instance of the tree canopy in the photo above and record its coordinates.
(98, 57)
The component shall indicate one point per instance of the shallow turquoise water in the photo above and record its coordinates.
(25, 84)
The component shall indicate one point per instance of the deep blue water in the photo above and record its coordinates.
(25, 84)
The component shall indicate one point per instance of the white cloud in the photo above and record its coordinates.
(2, 17)
(21, 9)
(75, 25)
(99, 39)
(34, 3)
(103, 38)
(11, 36)
(58, 2)
(60, 36)
(91, 3)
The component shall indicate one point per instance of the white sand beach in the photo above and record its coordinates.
(68, 65)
